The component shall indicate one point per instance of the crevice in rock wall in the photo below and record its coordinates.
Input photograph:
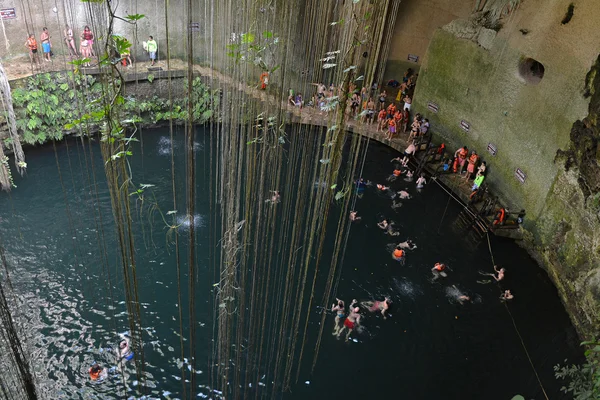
(568, 15)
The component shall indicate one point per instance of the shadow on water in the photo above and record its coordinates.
(431, 346)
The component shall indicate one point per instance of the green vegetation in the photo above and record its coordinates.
(49, 103)
(583, 380)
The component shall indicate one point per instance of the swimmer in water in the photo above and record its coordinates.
(354, 216)
(97, 373)
(275, 197)
(124, 351)
(380, 306)
(438, 270)
(395, 175)
(500, 273)
(408, 245)
(383, 188)
(460, 297)
(383, 224)
(396, 205)
(421, 182)
(404, 195)
(507, 295)
(398, 254)
(352, 321)
(403, 161)
(409, 176)
(340, 311)
(387, 227)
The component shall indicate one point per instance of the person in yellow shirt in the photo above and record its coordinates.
(152, 48)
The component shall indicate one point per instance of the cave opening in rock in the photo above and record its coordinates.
(532, 71)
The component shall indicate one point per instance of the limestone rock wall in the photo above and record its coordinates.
(477, 79)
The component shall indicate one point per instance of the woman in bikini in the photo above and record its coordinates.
(339, 309)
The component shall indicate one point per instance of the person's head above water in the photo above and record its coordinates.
(123, 344)
(95, 367)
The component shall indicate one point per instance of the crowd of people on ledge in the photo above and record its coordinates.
(85, 49)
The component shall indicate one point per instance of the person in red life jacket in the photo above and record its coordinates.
(473, 160)
(500, 216)
(460, 157)
(264, 80)
(438, 270)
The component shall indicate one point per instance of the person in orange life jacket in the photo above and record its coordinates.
(438, 270)
(264, 80)
(31, 44)
(473, 160)
(398, 254)
(381, 120)
(97, 373)
(500, 216)
(460, 157)
(391, 129)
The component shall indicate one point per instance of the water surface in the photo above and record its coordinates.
(54, 226)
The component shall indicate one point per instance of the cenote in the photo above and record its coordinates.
(70, 291)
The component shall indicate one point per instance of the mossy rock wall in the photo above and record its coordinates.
(569, 247)
(526, 123)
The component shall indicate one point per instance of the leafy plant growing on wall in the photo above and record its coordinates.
(49, 101)
(50, 104)
(583, 380)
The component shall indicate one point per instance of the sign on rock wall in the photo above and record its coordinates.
(433, 107)
(520, 175)
(465, 125)
(8, 13)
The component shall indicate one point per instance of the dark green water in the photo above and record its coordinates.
(430, 348)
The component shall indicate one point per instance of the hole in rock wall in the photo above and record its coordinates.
(532, 71)
(568, 15)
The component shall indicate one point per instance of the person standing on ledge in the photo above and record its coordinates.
(46, 46)
(88, 37)
(473, 160)
(31, 44)
(70, 41)
(152, 48)
(460, 156)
